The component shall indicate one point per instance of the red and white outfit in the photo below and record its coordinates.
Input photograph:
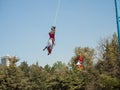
(50, 42)
(79, 60)
(52, 36)
(79, 63)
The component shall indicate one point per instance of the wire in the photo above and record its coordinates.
(56, 14)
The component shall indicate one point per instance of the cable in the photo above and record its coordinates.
(56, 14)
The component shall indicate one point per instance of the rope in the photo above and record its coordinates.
(57, 10)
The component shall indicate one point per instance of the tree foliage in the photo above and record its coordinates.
(102, 75)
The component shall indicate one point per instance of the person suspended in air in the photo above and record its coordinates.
(51, 41)
(79, 63)
(52, 34)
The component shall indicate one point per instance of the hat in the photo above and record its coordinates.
(53, 28)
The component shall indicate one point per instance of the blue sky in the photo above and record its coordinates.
(24, 27)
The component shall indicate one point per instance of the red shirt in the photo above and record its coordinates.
(80, 58)
(52, 35)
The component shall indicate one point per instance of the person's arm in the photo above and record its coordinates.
(49, 33)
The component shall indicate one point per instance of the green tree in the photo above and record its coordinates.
(108, 63)
(2, 77)
(13, 78)
(47, 68)
(13, 60)
(56, 80)
(25, 68)
(87, 55)
(37, 77)
(85, 79)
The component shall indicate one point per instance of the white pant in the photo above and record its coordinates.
(49, 44)
(78, 63)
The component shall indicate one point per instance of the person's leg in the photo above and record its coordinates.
(80, 67)
(78, 63)
(45, 48)
(51, 44)
(48, 44)
(49, 50)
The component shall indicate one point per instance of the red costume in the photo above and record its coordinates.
(49, 50)
(51, 40)
(80, 58)
(52, 36)
(80, 66)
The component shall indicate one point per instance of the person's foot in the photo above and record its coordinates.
(48, 53)
(44, 48)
